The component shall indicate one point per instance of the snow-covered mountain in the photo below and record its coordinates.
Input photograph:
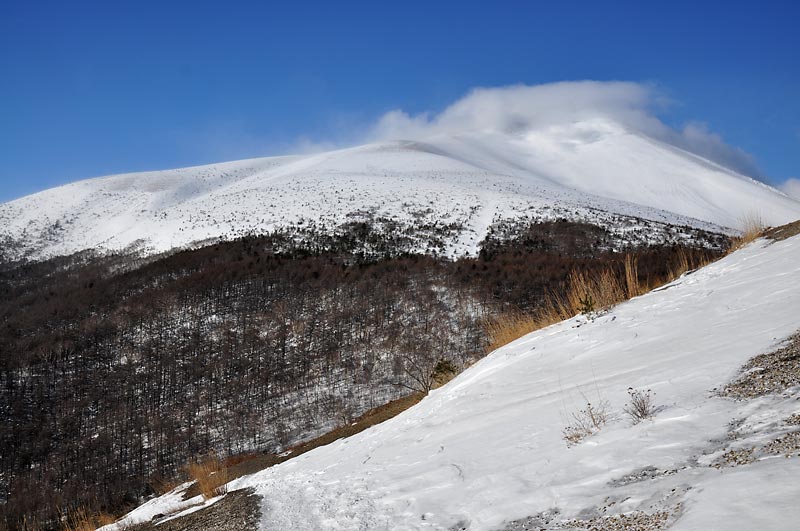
(487, 450)
(580, 170)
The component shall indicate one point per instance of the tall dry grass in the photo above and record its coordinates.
(586, 292)
(600, 290)
(82, 520)
(28, 523)
(752, 225)
(509, 327)
(680, 265)
(683, 263)
(633, 287)
(210, 475)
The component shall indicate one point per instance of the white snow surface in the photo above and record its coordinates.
(562, 170)
(487, 448)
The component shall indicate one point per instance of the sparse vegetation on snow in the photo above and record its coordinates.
(641, 405)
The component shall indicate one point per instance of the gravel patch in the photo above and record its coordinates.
(788, 445)
(633, 521)
(237, 511)
(737, 457)
(769, 373)
(793, 420)
(644, 474)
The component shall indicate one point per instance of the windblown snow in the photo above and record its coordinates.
(486, 451)
(574, 170)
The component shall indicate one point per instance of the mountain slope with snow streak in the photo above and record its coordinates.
(582, 171)
(486, 451)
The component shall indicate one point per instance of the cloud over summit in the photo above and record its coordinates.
(520, 108)
(792, 188)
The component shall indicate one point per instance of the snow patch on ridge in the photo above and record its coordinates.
(570, 171)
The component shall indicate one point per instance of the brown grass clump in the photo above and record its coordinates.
(209, 474)
(82, 520)
(29, 523)
(588, 293)
(641, 405)
(680, 265)
(104, 519)
(753, 226)
(632, 286)
(587, 422)
(685, 262)
(162, 485)
(509, 327)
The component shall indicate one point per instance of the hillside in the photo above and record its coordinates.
(444, 193)
(247, 347)
(488, 451)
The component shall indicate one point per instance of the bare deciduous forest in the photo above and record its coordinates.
(116, 370)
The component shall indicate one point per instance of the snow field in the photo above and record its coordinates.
(578, 171)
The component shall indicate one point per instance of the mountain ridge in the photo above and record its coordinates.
(470, 180)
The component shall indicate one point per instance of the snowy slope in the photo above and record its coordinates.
(580, 170)
(487, 448)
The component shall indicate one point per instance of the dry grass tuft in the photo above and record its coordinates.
(587, 293)
(162, 485)
(82, 520)
(586, 422)
(209, 474)
(632, 286)
(509, 327)
(684, 262)
(680, 265)
(753, 226)
(641, 406)
(104, 519)
(29, 523)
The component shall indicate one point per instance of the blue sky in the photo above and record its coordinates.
(91, 88)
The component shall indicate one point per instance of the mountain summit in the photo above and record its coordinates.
(579, 170)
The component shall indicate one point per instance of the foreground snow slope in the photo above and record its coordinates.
(569, 170)
(487, 448)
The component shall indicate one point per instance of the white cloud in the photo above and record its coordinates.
(517, 107)
(791, 187)
(523, 108)
(696, 137)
